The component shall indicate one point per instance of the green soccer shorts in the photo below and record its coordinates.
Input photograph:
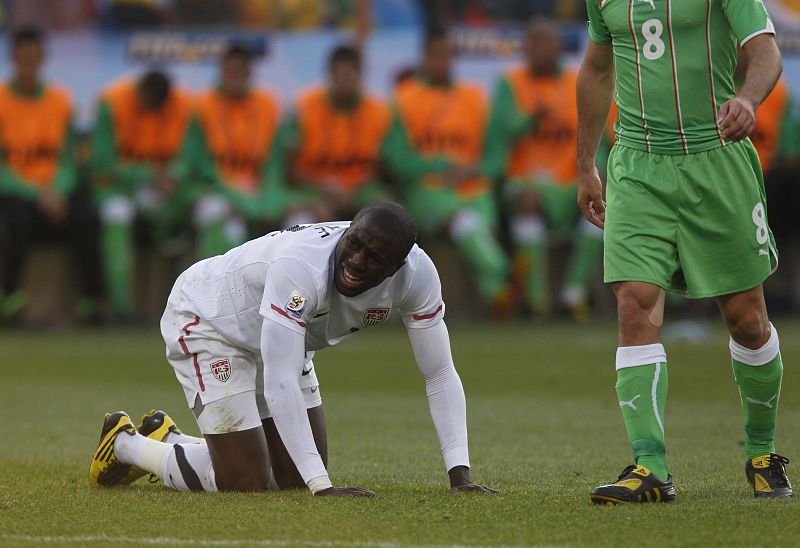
(695, 223)
(432, 208)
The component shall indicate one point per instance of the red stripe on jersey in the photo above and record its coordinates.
(427, 316)
(675, 78)
(638, 76)
(711, 73)
(283, 313)
(185, 349)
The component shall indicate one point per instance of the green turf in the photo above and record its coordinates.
(544, 425)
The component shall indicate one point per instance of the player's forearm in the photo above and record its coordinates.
(594, 89)
(283, 353)
(445, 393)
(763, 69)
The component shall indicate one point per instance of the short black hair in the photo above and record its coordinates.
(238, 50)
(155, 84)
(344, 53)
(393, 218)
(434, 33)
(27, 35)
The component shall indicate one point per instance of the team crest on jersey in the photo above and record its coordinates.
(296, 304)
(374, 316)
(221, 369)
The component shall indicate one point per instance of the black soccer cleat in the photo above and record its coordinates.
(767, 476)
(634, 485)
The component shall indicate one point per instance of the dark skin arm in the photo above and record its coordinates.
(737, 117)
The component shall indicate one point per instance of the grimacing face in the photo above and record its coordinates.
(364, 257)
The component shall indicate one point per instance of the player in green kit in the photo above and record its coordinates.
(685, 210)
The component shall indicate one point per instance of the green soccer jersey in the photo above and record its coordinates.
(674, 62)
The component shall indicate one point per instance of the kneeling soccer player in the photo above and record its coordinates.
(241, 330)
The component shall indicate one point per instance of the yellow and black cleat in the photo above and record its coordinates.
(155, 425)
(105, 470)
(636, 484)
(767, 476)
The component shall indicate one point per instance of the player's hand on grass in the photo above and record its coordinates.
(736, 118)
(344, 492)
(590, 197)
(460, 482)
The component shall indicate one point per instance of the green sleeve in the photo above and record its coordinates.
(273, 199)
(14, 185)
(598, 31)
(506, 125)
(11, 184)
(66, 175)
(747, 19)
(107, 169)
(402, 159)
(789, 144)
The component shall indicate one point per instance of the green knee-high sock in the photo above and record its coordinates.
(117, 241)
(211, 239)
(642, 393)
(536, 287)
(484, 254)
(760, 389)
(584, 260)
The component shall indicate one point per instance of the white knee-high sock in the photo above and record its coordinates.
(188, 468)
(185, 467)
(172, 437)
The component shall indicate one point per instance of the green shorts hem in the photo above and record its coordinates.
(688, 295)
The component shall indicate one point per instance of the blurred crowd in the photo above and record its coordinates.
(195, 174)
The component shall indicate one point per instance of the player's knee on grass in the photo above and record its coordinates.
(240, 460)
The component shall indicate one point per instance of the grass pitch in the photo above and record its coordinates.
(544, 422)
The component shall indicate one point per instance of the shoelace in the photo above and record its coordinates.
(777, 469)
(627, 471)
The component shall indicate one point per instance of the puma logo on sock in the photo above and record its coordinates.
(767, 403)
(630, 403)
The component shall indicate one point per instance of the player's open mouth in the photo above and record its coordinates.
(350, 279)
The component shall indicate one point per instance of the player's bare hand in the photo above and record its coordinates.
(460, 173)
(344, 492)
(736, 118)
(590, 198)
(53, 206)
(472, 488)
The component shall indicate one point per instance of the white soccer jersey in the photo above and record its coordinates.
(287, 277)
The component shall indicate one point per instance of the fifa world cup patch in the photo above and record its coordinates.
(221, 369)
(374, 316)
(296, 305)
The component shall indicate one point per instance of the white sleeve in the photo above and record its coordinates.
(290, 294)
(422, 304)
(283, 352)
(445, 393)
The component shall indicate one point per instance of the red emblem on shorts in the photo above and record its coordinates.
(221, 369)
(374, 316)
